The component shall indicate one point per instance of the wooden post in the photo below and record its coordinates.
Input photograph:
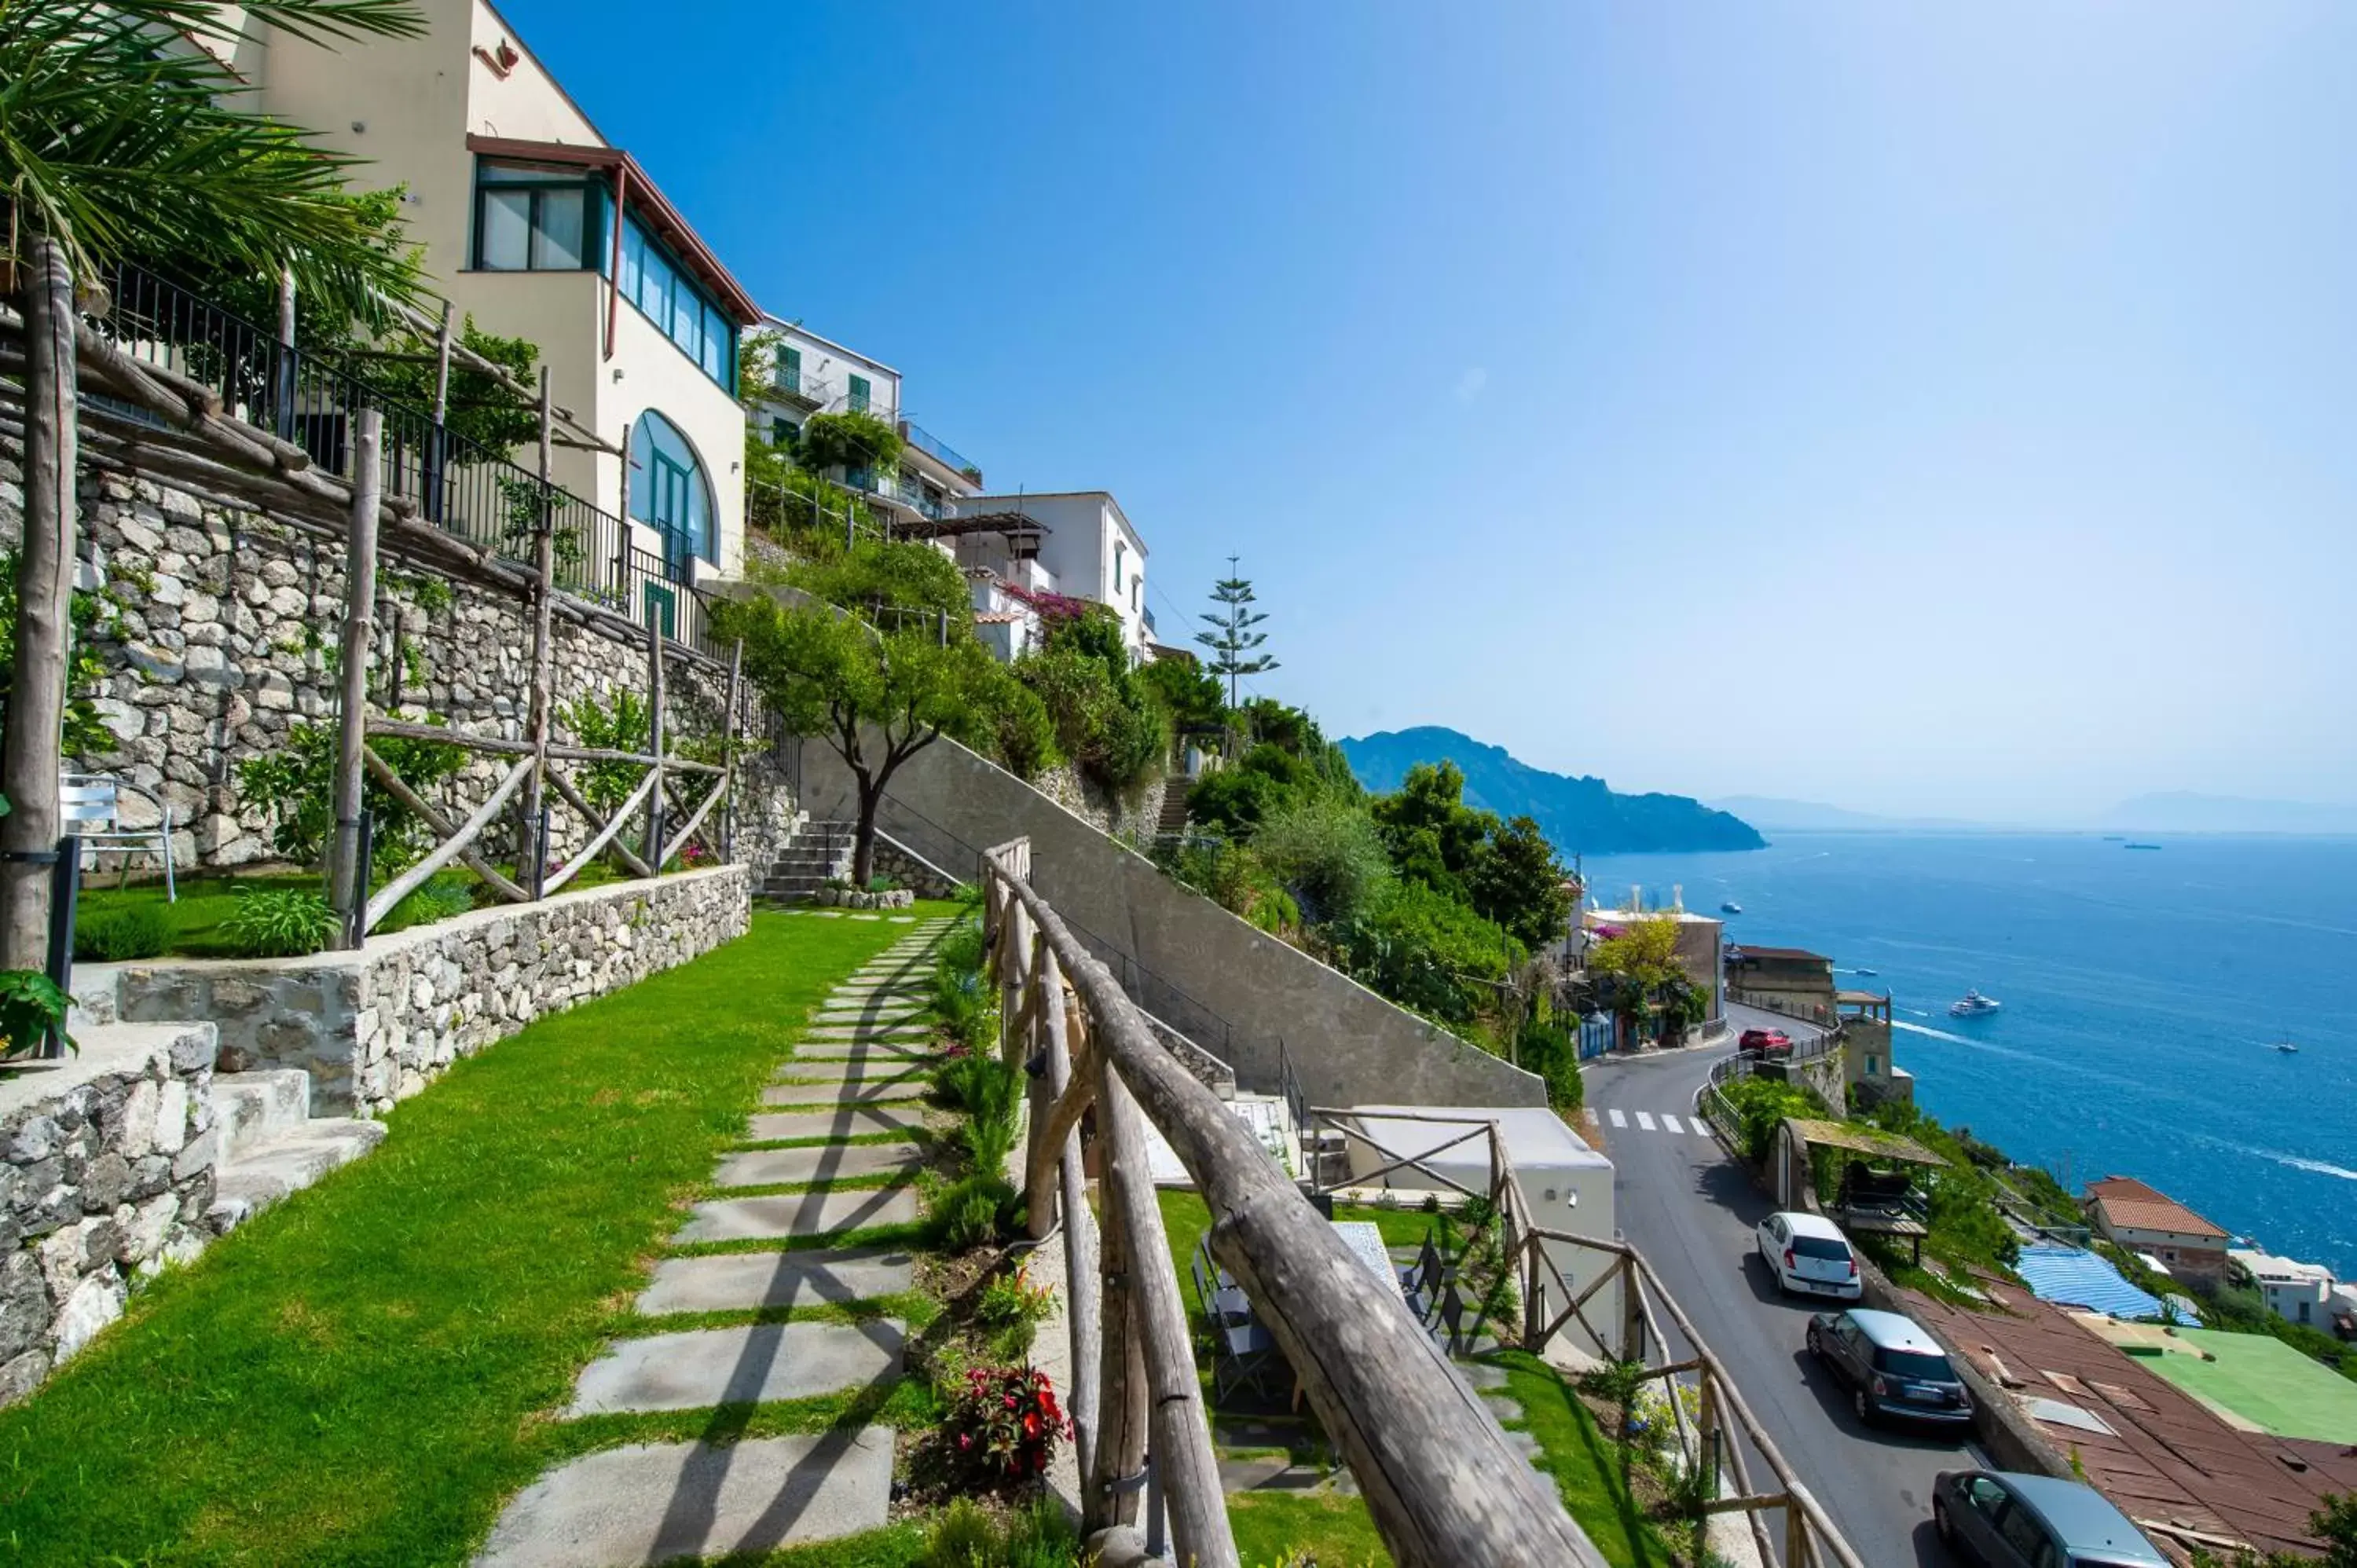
(345, 894)
(1183, 1461)
(655, 741)
(531, 863)
(728, 753)
(1084, 1311)
(1632, 1313)
(1015, 944)
(1047, 1035)
(1121, 1375)
(442, 370)
(31, 755)
(1796, 1534)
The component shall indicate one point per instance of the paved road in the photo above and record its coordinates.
(1691, 1210)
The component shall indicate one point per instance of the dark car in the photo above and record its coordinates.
(2008, 1520)
(1765, 1042)
(1893, 1367)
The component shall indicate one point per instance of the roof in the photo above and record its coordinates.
(1860, 1140)
(1533, 1135)
(1783, 955)
(1014, 500)
(2085, 1519)
(2128, 1202)
(2071, 1276)
(2279, 1271)
(1892, 1331)
(1811, 1225)
(674, 229)
(771, 319)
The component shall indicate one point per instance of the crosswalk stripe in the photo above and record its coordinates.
(1645, 1120)
(1701, 1128)
(1670, 1123)
(1618, 1119)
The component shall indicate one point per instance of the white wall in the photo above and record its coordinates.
(1082, 531)
(827, 368)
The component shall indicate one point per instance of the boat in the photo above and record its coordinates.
(1973, 1005)
(1731, 908)
(2286, 1047)
(1865, 971)
(2141, 846)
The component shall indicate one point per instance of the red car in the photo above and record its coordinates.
(1765, 1042)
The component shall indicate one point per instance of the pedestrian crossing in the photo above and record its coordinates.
(1688, 1125)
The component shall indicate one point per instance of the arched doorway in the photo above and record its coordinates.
(669, 491)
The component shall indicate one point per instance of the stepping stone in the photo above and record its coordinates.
(859, 1069)
(742, 1282)
(660, 1502)
(876, 1091)
(751, 1364)
(819, 1163)
(886, 1017)
(1482, 1375)
(913, 1052)
(866, 1032)
(814, 1213)
(900, 919)
(851, 1121)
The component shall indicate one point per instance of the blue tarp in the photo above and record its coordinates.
(2071, 1276)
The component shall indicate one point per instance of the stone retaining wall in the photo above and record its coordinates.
(106, 1173)
(375, 1026)
(220, 644)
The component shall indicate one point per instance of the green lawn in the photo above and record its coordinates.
(1586, 1464)
(362, 1375)
(204, 903)
(2264, 1380)
(1281, 1527)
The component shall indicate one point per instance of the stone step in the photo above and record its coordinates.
(839, 1033)
(880, 1092)
(747, 1282)
(667, 1502)
(820, 1213)
(253, 1107)
(857, 1070)
(820, 1163)
(850, 1122)
(751, 1364)
(287, 1164)
(94, 997)
(906, 1050)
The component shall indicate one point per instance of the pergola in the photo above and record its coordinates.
(1874, 1143)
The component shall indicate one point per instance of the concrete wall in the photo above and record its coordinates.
(376, 1026)
(106, 1173)
(1237, 992)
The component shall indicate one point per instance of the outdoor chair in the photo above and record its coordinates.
(92, 806)
(1223, 1301)
(1449, 1320)
(1249, 1358)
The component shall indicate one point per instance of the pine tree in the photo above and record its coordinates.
(1231, 636)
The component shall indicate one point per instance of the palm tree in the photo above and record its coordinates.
(121, 134)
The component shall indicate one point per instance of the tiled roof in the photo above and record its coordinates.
(2129, 1203)
(1789, 955)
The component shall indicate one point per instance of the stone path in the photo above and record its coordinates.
(846, 1107)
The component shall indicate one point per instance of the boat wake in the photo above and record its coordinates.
(2318, 1167)
(1935, 1033)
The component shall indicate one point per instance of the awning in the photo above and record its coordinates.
(1871, 1141)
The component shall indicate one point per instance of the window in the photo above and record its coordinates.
(2022, 1530)
(859, 390)
(1120, 553)
(1986, 1496)
(536, 218)
(677, 305)
(789, 370)
(668, 492)
(783, 432)
(1872, 1066)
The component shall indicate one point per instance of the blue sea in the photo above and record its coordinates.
(2142, 992)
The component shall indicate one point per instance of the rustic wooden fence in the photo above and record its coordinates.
(1444, 1490)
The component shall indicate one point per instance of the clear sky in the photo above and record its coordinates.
(1924, 411)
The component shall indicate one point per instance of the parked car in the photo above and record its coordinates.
(1809, 1255)
(1765, 1043)
(2008, 1520)
(1892, 1367)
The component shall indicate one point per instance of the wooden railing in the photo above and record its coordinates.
(1444, 1490)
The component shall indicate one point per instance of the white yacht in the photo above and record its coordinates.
(1973, 1006)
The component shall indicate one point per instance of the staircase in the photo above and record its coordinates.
(816, 851)
(271, 1143)
(1174, 807)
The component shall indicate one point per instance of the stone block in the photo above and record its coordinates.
(740, 1366)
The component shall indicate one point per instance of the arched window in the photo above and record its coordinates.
(669, 492)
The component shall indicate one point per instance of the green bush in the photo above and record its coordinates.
(31, 1005)
(1760, 1106)
(991, 1093)
(1035, 1535)
(1329, 856)
(1012, 1309)
(437, 898)
(1426, 950)
(1550, 1049)
(970, 1212)
(279, 922)
(1025, 734)
(960, 995)
(1111, 723)
(127, 931)
(296, 782)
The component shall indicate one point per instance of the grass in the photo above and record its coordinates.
(1279, 1527)
(362, 1375)
(2266, 1382)
(1590, 1469)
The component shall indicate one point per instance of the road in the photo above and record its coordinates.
(1691, 1210)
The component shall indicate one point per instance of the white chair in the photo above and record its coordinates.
(92, 806)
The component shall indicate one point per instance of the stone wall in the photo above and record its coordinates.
(106, 1173)
(222, 642)
(903, 866)
(377, 1025)
(1133, 816)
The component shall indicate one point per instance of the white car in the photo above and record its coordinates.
(1809, 1256)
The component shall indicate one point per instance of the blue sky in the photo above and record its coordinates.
(1929, 412)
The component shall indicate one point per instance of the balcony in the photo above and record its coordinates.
(941, 451)
(894, 488)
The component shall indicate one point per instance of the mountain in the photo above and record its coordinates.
(2178, 811)
(1812, 817)
(1582, 816)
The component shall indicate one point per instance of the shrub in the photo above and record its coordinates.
(880, 884)
(971, 1211)
(1012, 1309)
(1004, 1423)
(132, 930)
(437, 898)
(1550, 1049)
(279, 922)
(1025, 734)
(31, 1005)
(991, 1093)
(1425, 950)
(1760, 1106)
(297, 781)
(1037, 1535)
(1329, 856)
(962, 1000)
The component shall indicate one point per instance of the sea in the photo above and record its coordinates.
(2143, 991)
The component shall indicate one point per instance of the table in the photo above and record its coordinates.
(1365, 1240)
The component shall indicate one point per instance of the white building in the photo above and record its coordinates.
(1078, 543)
(2295, 1291)
(538, 227)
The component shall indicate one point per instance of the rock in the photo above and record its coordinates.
(95, 1303)
(107, 1181)
(22, 1376)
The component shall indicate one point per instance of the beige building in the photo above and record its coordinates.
(538, 227)
(1791, 981)
(1866, 1066)
(2124, 1210)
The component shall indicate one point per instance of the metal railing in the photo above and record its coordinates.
(313, 400)
(941, 451)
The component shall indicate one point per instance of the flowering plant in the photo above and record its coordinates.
(1006, 1422)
